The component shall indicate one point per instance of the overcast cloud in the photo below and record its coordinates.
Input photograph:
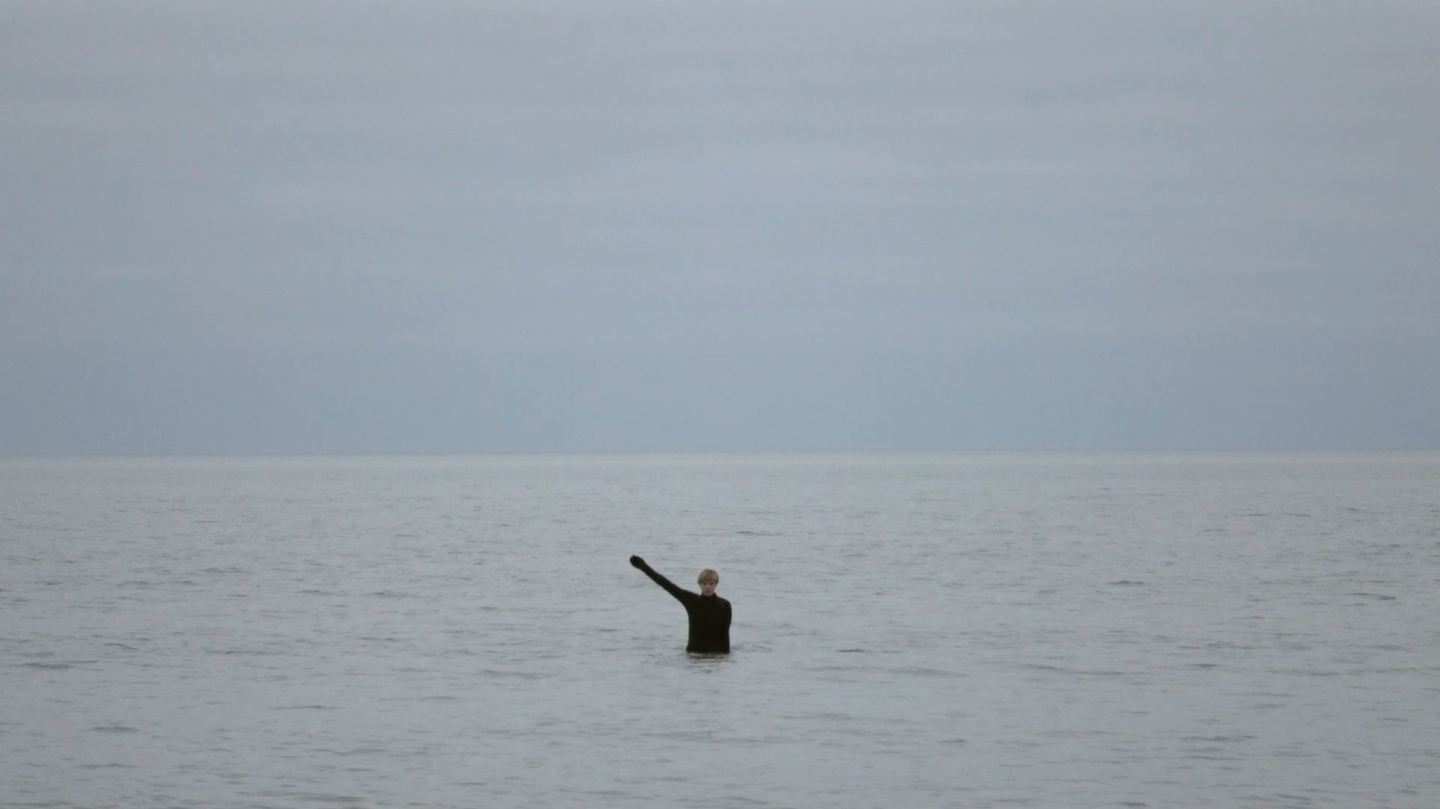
(501, 226)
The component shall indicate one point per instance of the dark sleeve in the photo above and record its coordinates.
(727, 618)
(682, 595)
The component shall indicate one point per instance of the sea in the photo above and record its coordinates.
(910, 630)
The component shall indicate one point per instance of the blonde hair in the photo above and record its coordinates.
(708, 575)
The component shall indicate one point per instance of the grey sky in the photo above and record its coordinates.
(457, 226)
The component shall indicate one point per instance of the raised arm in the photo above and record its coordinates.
(682, 595)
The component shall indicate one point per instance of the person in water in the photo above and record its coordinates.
(709, 613)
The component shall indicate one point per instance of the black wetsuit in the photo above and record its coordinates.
(709, 615)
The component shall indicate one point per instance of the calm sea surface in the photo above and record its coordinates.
(1155, 630)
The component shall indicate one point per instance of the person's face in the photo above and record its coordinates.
(707, 588)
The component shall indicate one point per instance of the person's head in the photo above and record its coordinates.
(708, 579)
